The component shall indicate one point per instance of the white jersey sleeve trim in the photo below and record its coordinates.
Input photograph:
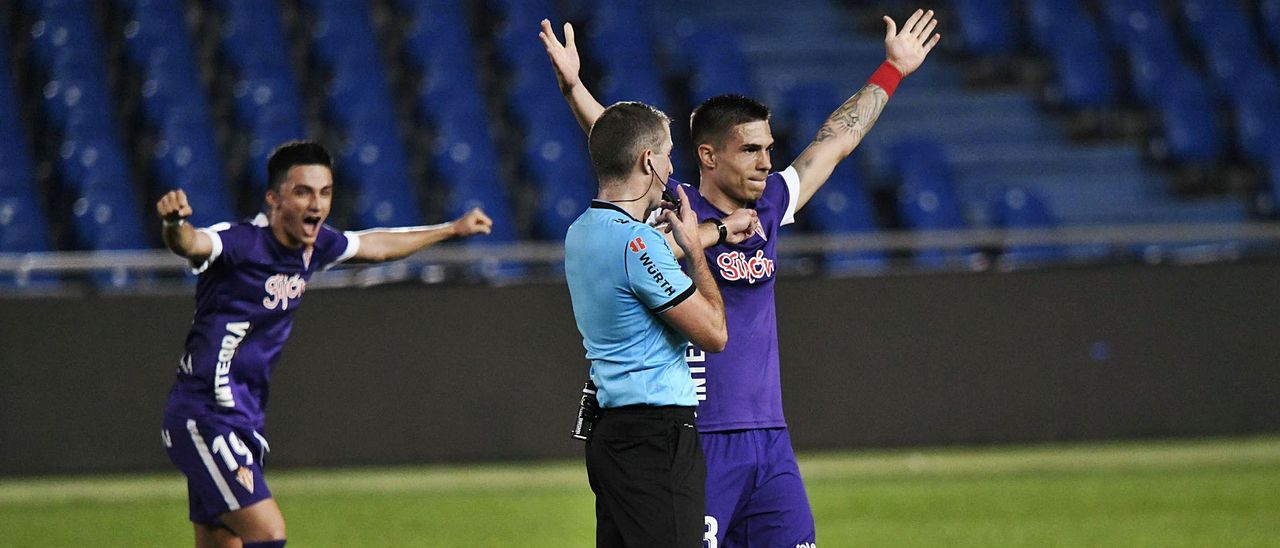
(216, 241)
(353, 247)
(792, 178)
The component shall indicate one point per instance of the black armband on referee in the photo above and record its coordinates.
(724, 232)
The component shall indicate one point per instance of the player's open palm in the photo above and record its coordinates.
(907, 48)
(173, 206)
(564, 57)
(741, 224)
(472, 223)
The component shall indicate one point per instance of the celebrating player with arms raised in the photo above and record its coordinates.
(755, 496)
(252, 278)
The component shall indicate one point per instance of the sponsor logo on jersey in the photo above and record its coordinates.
(656, 274)
(636, 245)
(184, 364)
(236, 332)
(735, 265)
(281, 288)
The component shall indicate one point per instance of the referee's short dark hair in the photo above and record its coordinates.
(294, 153)
(713, 119)
(620, 134)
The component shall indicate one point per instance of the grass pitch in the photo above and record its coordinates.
(1183, 493)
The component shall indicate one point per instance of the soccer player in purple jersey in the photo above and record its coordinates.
(755, 496)
(252, 276)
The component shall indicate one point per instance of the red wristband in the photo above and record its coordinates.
(887, 77)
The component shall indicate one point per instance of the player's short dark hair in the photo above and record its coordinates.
(713, 119)
(294, 153)
(621, 133)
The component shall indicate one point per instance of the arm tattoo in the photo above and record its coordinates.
(856, 116)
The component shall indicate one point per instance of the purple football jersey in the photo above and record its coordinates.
(739, 388)
(246, 295)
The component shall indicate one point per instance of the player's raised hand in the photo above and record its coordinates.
(741, 224)
(906, 49)
(564, 57)
(471, 223)
(173, 206)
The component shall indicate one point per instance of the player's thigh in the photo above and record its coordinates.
(779, 507)
(213, 536)
(731, 475)
(259, 522)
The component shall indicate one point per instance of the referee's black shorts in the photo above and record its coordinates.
(649, 475)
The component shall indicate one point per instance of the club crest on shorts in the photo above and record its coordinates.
(245, 478)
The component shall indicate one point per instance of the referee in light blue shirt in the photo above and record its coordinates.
(636, 311)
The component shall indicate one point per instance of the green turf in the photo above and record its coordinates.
(1200, 493)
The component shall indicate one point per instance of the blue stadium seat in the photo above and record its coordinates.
(55, 30)
(843, 207)
(89, 158)
(343, 29)
(253, 38)
(1233, 57)
(107, 219)
(515, 36)
(1021, 208)
(385, 198)
(986, 26)
(16, 165)
(533, 91)
(1151, 66)
(1083, 66)
(464, 155)
(641, 84)
(927, 199)
(1269, 14)
(164, 92)
(1133, 22)
(447, 93)
(716, 63)
(154, 26)
(1271, 179)
(1257, 116)
(437, 34)
(1052, 20)
(556, 159)
(622, 45)
(23, 227)
(186, 157)
(368, 149)
(1191, 133)
(360, 99)
(253, 97)
(76, 100)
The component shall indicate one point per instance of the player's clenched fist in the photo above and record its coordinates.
(473, 222)
(173, 206)
(741, 225)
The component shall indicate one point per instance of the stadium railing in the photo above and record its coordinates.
(1176, 244)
